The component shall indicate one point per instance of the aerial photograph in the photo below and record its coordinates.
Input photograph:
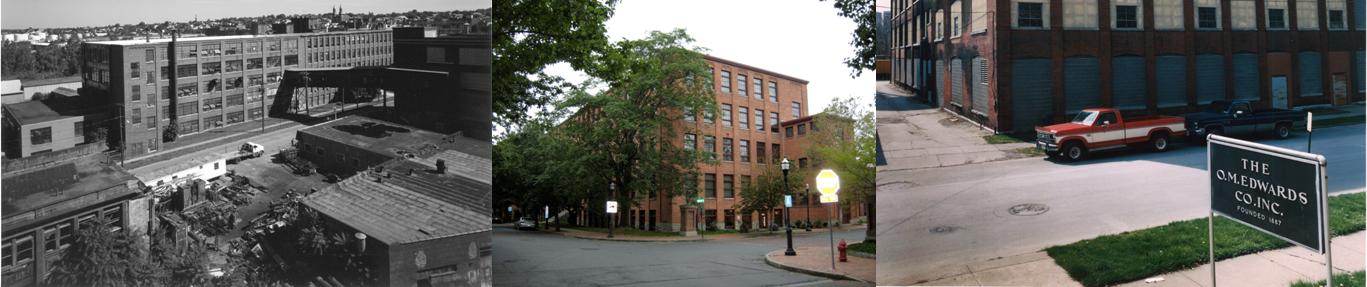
(685, 143)
(1121, 142)
(247, 143)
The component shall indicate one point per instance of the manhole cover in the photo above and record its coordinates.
(1028, 209)
(942, 229)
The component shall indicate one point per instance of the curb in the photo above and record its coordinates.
(618, 239)
(836, 276)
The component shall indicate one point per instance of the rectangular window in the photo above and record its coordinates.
(233, 49)
(690, 142)
(775, 150)
(234, 83)
(134, 69)
(726, 115)
(213, 86)
(744, 115)
(136, 94)
(78, 128)
(151, 122)
(689, 115)
(801, 129)
(759, 152)
(186, 70)
(1168, 15)
(40, 136)
(1336, 20)
(788, 132)
(1126, 17)
(759, 120)
(1276, 13)
(210, 68)
(728, 186)
(254, 63)
(1307, 15)
(709, 145)
(114, 217)
(253, 47)
(710, 185)
(49, 239)
(234, 117)
(1028, 15)
(759, 95)
(725, 81)
(745, 150)
(797, 110)
(149, 54)
(151, 77)
(273, 77)
(135, 116)
(1207, 18)
(254, 80)
(233, 65)
(272, 61)
(773, 92)
(212, 104)
(436, 55)
(235, 99)
(740, 85)
(1079, 14)
(726, 149)
(955, 26)
(773, 122)
(291, 60)
(187, 108)
(189, 127)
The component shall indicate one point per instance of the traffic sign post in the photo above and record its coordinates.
(828, 183)
(1275, 190)
(612, 210)
(787, 200)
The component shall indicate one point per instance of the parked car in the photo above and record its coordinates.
(247, 151)
(1242, 118)
(1105, 128)
(525, 224)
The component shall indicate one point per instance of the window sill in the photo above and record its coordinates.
(1030, 28)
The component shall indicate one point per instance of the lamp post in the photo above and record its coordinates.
(613, 188)
(807, 201)
(787, 227)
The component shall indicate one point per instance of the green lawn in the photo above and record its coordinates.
(1002, 139)
(1135, 255)
(1340, 279)
(866, 247)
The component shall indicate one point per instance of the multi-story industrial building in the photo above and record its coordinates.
(757, 107)
(467, 60)
(1011, 65)
(201, 84)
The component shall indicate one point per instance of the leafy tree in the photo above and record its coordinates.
(104, 257)
(530, 35)
(766, 192)
(845, 143)
(630, 140)
(861, 12)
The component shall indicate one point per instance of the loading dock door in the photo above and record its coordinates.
(1210, 78)
(1246, 80)
(1032, 98)
(1081, 84)
(1127, 82)
(1172, 81)
(979, 85)
(1311, 78)
(956, 75)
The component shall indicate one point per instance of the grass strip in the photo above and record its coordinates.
(1340, 279)
(1134, 255)
(1003, 139)
(866, 247)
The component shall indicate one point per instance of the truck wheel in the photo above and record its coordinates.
(1073, 151)
(1159, 142)
(1283, 130)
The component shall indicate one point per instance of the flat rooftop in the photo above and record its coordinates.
(33, 112)
(53, 81)
(390, 138)
(28, 191)
(143, 41)
(397, 206)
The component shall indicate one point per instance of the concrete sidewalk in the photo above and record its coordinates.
(1279, 267)
(816, 260)
(915, 136)
(1030, 269)
(594, 235)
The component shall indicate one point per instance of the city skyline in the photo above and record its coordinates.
(21, 14)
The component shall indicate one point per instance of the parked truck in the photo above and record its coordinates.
(1241, 118)
(247, 151)
(1105, 128)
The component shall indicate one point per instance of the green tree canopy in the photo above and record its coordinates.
(861, 12)
(845, 143)
(530, 35)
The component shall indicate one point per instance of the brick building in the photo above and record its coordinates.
(467, 61)
(356, 143)
(216, 81)
(756, 106)
(1011, 65)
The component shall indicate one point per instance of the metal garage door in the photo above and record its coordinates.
(1171, 72)
(1210, 78)
(1310, 84)
(916, 73)
(939, 79)
(1127, 82)
(979, 85)
(956, 75)
(1081, 84)
(1032, 99)
(1246, 77)
(1362, 67)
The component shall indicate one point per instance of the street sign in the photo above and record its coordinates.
(1272, 189)
(828, 183)
(699, 200)
(787, 200)
(612, 206)
(546, 211)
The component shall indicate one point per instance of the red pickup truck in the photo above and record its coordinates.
(1102, 129)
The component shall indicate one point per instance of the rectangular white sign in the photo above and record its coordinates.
(612, 207)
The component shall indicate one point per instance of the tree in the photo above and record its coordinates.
(630, 126)
(765, 193)
(851, 153)
(104, 257)
(530, 35)
(861, 11)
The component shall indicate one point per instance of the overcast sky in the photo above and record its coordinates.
(19, 14)
(803, 39)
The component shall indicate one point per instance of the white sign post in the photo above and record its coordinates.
(787, 201)
(612, 207)
(828, 183)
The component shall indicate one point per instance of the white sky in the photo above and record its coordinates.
(803, 39)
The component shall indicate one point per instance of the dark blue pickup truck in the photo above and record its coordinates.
(1232, 118)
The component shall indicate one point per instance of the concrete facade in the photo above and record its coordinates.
(983, 60)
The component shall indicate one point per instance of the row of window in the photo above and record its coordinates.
(741, 84)
(728, 185)
(690, 143)
(338, 40)
(56, 236)
(1169, 14)
(744, 117)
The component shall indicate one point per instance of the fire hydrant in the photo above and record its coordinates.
(841, 247)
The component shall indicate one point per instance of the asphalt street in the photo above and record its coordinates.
(529, 258)
(957, 216)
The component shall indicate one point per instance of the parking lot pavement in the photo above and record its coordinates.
(915, 136)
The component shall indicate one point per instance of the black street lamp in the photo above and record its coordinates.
(612, 187)
(787, 226)
(807, 201)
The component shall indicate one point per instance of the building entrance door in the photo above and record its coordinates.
(1279, 99)
(1340, 89)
